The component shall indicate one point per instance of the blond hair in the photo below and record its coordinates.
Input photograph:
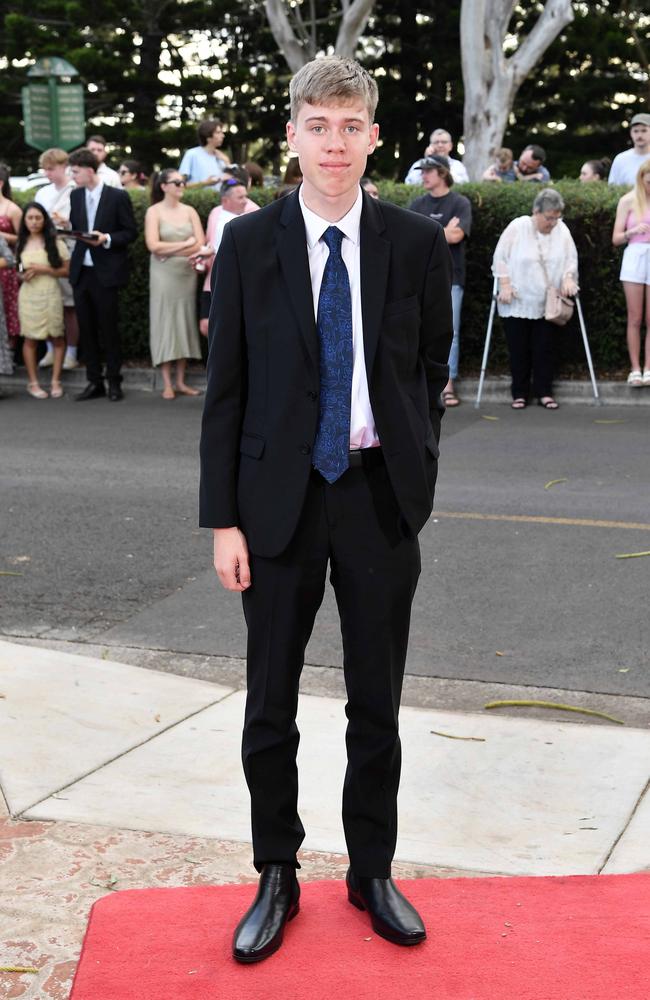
(52, 158)
(331, 79)
(640, 204)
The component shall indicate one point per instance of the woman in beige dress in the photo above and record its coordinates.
(41, 261)
(173, 233)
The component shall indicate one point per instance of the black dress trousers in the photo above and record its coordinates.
(354, 525)
(97, 313)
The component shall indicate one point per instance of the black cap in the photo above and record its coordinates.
(431, 162)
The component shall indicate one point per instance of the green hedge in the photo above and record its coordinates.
(589, 213)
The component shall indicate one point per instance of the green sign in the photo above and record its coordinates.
(54, 115)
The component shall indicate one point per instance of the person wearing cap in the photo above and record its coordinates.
(440, 144)
(454, 213)
(626, 165)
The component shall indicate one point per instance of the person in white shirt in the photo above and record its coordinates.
(203, 165)
(626, 165)
(533, 252)
(440, 144)
(97, 145)
(55, 199)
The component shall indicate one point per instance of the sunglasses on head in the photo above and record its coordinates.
(230, 182)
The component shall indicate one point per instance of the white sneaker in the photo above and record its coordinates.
(47, 360)
(646, 376)
(69, 363)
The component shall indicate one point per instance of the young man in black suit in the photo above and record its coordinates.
(329, 336)
(98, 269)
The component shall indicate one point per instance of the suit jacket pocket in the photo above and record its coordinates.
(252, 445)
(401, 306)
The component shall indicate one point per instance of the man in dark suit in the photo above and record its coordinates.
(98, 269)
(329, 335)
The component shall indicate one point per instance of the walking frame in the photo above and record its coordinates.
(488, 337)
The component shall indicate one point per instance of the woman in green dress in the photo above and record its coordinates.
(173, 233)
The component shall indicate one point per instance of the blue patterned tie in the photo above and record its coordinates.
(332, 445)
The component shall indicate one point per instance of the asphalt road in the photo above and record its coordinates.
(520, 583)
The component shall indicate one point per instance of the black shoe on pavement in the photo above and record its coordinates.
(94, 390)
(261, 929)
(115, 392)
(391, 914)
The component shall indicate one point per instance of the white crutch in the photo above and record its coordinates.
(581, 318)
(486, 349)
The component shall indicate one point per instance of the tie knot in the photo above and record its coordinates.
(333, 237)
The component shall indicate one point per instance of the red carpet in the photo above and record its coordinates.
(578, 938)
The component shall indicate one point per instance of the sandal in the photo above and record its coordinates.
(35, 391)
(519, 403)
(168, 393)
(56, 390)
(635, 378)
(646, 376)
(548, 403)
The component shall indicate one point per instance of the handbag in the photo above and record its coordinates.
(558, 308)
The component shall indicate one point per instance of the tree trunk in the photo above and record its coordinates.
(491, 79)
(299, 50)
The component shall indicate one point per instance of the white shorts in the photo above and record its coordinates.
(636, 263)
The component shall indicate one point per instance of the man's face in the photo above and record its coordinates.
(441, 143)
(216, 139)
(430, 179)
(56, 173)
(640, 136)
(528, 164)
(234, 200)
(333, 143)
(98, 148)
(83, 176)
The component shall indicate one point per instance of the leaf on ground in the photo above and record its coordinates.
(484, 416)
(623, 670)
(554, 482)
(450, 736)
(9, 572)
(610, 421)
(553, 704)
(499, 653)
(631, 555)
(156, 717)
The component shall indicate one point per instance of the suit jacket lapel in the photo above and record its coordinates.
(101, 205)
(375, 262)
(292, 251)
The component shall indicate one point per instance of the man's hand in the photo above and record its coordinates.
(231, 558)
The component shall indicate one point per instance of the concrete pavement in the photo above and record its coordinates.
(128, 777)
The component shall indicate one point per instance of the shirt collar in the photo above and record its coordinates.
(315, 226)
(96, 191)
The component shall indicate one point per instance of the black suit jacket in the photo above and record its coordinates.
(261, 406)
(114, 216)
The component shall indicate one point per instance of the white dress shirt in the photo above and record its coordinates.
(363, 433)
(92, 201)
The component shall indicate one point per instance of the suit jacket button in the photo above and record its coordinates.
(305, 449)
(311, 394)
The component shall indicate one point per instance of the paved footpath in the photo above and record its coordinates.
(116, 777)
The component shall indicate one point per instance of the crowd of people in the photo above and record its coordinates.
(63, 258)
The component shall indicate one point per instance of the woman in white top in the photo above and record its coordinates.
(632, 230)
(532, 252)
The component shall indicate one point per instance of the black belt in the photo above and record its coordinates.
(369, 458)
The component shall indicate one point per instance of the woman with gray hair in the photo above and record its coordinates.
(534, 252)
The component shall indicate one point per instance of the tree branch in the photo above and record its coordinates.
(555, 16)
(353, 25)
(284, 35)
